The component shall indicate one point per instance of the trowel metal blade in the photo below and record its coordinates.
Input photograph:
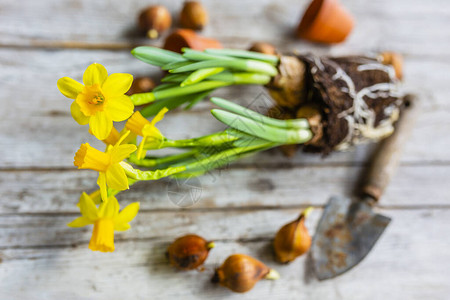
(345, 234)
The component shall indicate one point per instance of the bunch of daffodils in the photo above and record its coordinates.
(100, 101)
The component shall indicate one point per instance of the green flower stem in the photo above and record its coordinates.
(150, 175)
(247, 65)
(215, 139)
(190, 89)
(270, 133)
(165, 86)
(224, 157)
(225, 76)
(218, 164)
(172, 103)
(142, 98)
(156, 56)
(178, 91)
(157, 161)
(243, 111)
(199, 75)
(273, 59)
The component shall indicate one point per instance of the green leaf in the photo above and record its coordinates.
(200, 74)
(243, 111)
(156, 56)
(273, 59)
(235, 64)
(270, 133)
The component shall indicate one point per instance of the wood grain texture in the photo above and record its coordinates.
(400, 266)
(112, 24)
(37, 192)
(242, 206)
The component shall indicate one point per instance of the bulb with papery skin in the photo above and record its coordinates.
(193, 15)
(264, 48)
(189, 252)
(241, 272)
(154, 20)
(292, 240)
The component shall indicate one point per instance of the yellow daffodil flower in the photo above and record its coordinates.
(107, 164)
(152, 137)
(106, 219)
(101, 99)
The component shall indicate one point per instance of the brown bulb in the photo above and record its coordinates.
(264, 48)
(241, 272)
(311, 112)
(292, 240)
(154, 20)
(189, 252)
(141, 85)
(194, 15)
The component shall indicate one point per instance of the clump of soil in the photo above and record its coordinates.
(356, 99)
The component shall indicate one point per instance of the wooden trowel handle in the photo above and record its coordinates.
(387, 155)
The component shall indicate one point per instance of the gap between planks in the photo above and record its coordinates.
(250, 208)
(126, 47)
(240, 166)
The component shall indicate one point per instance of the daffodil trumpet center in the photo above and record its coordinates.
(96, 95)
(103, 235)
(91, 100)
(88, 157)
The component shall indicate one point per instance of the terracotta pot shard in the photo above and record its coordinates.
(188, 38)
(325, 21)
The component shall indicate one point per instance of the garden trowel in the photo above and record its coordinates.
(348, 229)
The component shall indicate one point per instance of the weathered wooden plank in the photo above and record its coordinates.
(407, 262)
(47, 230)
(56, 191)
(79, 23)
(35, 114)
(42, 230)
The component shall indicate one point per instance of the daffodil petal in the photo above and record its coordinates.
(101, 181)
(127, 214)
(141, 152)
(80, 222)
(152, 132)
(100, 125)
(123, 136)
(69, 87)
(159, 116)
(121, 227)
(96, 197)
(95, 74)
(117, 84)
(77, 114)
(116, 177)
(120, 108)
(88, 208)
(110, 208)
(121, 152)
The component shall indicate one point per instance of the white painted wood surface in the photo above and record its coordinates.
(240, 207)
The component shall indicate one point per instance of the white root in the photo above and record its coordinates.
(360, 118)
